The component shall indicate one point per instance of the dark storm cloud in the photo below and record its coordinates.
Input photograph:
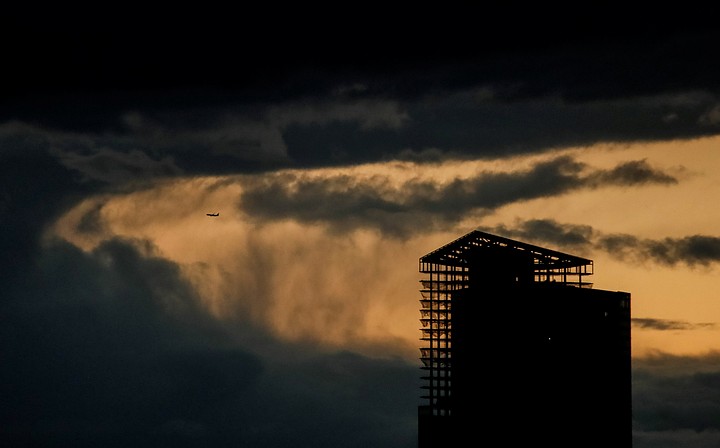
(218, 101)
(112, 348)
(634, 173)
(115, 167)
(549, 231)
(345, 202)
(675, 394)
(477, 123)
(343, 399)
(692, 251)
(34, 188)
(109, 345)
(92, 160)
(668, 325)
(390, 53)
(676, 439)
(339, 130)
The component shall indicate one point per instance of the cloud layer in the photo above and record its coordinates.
(675, 401)
(129, 321)
(418, 205)
(692, 251)
(113, 347)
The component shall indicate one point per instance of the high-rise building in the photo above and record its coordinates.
(520, 349)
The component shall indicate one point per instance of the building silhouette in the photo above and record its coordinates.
(519, 348)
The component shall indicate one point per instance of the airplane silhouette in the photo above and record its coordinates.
(212, 214)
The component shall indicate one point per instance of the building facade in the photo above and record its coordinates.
(518, 347)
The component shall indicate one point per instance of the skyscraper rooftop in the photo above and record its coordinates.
(518, 342)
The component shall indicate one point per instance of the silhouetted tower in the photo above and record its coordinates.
(519, 348)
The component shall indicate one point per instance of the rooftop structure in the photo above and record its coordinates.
(515, 329)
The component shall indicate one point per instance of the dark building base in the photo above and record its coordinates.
(535, 365)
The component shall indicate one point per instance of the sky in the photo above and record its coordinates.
(337, 152)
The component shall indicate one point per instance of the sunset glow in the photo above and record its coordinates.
(376, 273)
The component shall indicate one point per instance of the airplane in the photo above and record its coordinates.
(212, 214)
